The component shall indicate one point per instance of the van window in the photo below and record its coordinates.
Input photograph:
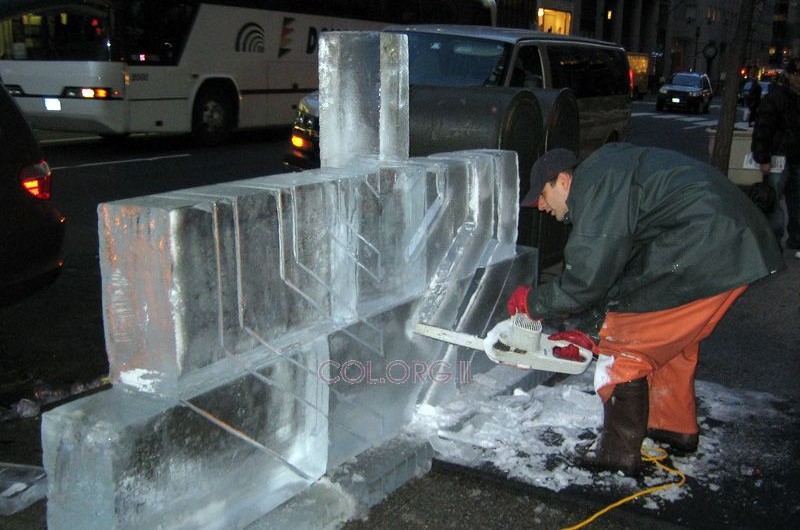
(446, 60)
(527, 71)
(589, 71)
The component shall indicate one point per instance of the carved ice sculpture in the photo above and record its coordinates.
(258, 330)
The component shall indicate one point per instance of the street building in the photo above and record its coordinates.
(679, 35)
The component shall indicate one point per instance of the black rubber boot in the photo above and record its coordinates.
(624, 427)
(677, 441)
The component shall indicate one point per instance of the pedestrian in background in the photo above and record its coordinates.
(777, 133)
(664, 244)
(753, 99)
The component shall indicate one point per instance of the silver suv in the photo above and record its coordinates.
(686, 90)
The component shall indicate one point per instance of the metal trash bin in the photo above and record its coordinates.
(740, 149)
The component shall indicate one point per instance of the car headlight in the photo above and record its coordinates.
(694, 94)
(662, 90)
(307, 121)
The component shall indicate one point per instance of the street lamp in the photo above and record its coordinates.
(691, 17)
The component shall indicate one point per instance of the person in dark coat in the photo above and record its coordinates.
(777, 133)
(665, 244)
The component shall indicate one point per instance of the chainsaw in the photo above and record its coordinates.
(518, 341)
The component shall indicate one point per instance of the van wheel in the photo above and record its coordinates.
(659, 106)
(212, 117)
(707, 107)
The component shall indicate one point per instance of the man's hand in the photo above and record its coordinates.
(765, 168)
(569, 352)
(518, 303)
(576, 337)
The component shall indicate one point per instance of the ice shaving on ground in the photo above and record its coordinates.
(532, 436)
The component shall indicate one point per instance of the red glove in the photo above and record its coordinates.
(569, 352)
(575, 337)
(518, 303)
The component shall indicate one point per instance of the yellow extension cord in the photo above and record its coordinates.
(649, 458)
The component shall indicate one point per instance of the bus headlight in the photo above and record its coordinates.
(90, 92)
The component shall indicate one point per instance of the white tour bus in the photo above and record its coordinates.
(114, 67)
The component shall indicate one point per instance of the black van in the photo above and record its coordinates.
(595, 71)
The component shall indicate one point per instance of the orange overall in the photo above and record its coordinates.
(662, 346)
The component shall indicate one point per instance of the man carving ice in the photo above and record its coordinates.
(665, 244)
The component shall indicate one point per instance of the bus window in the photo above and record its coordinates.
(156, 32)
(69, 33)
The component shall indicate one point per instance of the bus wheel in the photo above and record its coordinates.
(212, 119)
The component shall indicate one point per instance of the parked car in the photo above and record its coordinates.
(686, 90)
(743, 98)
(31, 228)
(597, 72)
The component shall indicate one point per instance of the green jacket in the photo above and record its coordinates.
(653, 229)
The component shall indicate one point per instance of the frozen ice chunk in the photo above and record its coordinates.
(363, 95)
(122, 459)
(384, 211)
(375, 374)
(349, 105)
(394, 140)
(20, 486)
(144, 302)
(474, 307)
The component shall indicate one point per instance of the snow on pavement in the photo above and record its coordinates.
(532, 436)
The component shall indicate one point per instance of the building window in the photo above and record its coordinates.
(553, 21)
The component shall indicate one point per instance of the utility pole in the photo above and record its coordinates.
(722, 143)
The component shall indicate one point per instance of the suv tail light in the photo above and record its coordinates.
(630, 79)
(36, 178)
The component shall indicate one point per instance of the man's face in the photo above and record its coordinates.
(553, 198)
